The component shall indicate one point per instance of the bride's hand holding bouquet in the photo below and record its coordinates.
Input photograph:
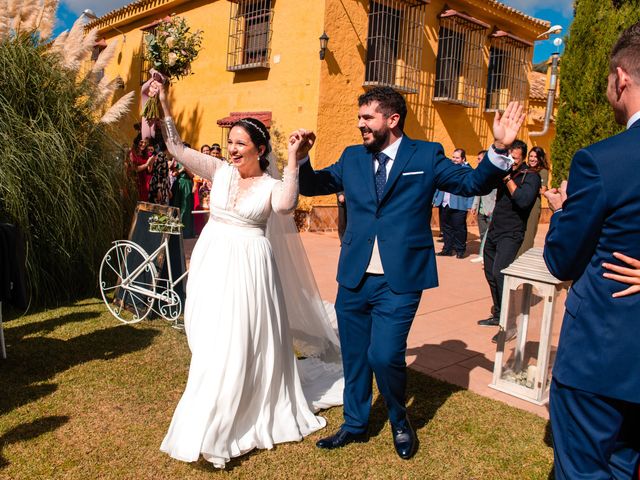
(170, 48)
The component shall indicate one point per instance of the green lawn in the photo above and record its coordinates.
(84, 397)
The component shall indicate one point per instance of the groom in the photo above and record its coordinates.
(387, 255)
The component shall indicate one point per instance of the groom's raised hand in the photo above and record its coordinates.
(507, 125)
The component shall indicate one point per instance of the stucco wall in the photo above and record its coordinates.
(289, 89)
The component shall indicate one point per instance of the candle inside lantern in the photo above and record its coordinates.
(531, 375)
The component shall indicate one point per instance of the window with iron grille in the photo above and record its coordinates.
(508, 70)
(249, 34)
(394, 44)
(460, 59)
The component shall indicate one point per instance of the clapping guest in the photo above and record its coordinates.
(537, 162)
(159, 184)
(141, 164)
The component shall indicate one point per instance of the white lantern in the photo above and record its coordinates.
(522, 366)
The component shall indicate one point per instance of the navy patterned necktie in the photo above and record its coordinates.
(381, 173)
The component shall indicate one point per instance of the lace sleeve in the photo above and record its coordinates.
(201, 164)
(284, 196)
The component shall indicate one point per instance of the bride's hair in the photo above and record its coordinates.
(259, 136)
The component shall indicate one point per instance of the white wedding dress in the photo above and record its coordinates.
(244, 389)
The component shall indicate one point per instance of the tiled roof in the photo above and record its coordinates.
(538, 83)
(139, 5)
(506, 8)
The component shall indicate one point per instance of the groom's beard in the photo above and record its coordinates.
(380, 137)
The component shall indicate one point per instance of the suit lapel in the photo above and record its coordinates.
(405, 152)
(366, 166)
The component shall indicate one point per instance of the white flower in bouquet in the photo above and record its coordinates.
(170, 49)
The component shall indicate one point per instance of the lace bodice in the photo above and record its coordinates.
(250, 200)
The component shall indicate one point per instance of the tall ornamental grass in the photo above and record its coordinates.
(62, 178)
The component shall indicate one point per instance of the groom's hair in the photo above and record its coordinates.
(389, 102)
(626, 52)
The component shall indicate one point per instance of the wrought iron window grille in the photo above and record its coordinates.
(395, 41)
(459, 64)
(507, 78)
(250, 29)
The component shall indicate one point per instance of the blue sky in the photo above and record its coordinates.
(558, 12)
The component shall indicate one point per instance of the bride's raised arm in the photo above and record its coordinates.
(199, 163)
(284, 197)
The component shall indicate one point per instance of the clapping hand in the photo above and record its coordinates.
(300, 142)
(557, 196)
(507, 125)
(630, 276)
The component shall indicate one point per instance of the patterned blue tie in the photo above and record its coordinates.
(381, 173)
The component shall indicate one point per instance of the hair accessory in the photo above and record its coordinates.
(254, 125)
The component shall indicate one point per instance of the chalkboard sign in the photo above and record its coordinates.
(150, 241)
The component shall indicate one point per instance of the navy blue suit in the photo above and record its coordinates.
(595, 397)
(375, 311)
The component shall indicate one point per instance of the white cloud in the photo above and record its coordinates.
(99, 7)
(530, 7)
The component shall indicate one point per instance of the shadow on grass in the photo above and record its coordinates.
(425, 394)
(37, 359)
(29, 431)
(48, 326)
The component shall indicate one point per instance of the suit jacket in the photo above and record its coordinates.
(401, 221)
(599, 348)
(456, 202)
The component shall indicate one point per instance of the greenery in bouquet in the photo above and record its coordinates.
(171, 47)
(164, 224)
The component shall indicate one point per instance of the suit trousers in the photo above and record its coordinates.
(594, 437)
(483, 223)
(374, 322)
(498, 254)
(455, 230)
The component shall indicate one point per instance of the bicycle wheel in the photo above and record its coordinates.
(128, 298)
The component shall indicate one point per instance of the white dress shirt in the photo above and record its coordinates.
(375, 263)
(634, 118)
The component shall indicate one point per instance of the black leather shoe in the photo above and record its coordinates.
(508, 335)
(460, 255)
(489, 322)
(340, 439)
(405, 441)
(445, 253)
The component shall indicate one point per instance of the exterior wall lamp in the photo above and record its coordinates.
(324, 40)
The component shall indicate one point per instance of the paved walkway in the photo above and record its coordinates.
(445, 342)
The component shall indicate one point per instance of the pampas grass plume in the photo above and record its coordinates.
(118, 109)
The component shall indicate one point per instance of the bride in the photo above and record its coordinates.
(250, 296)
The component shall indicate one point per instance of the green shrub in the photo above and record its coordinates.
(584, 114)
(61, 174)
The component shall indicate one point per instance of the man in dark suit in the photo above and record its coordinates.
(595, 391)
(387, 255)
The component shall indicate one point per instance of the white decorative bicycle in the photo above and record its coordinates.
(129, 279)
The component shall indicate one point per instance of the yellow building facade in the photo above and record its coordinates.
(457, 62)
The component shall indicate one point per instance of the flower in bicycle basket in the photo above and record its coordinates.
(171, 47)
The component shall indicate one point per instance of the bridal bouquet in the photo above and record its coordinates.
(170, 49)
